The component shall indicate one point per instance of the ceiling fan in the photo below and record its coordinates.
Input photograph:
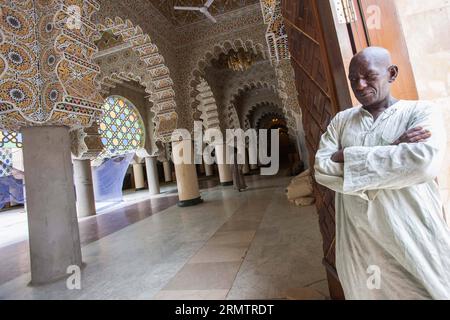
(203, 10)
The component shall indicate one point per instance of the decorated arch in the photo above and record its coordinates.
(143, 63)
(198, 74)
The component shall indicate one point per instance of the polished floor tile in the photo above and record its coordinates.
(220, 253)
(248, 245)
(191, 295)
(205, 276)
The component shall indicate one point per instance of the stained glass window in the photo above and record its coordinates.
(121, 127)
(10, 140)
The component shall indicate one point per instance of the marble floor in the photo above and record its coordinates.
(248, 245)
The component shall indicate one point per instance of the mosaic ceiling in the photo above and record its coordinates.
(181, 17)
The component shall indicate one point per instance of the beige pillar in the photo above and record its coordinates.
(225, 176)
(52, 215)
(138, 172)
(167, 171)
(209, 170)
(186, 174)
(152, 175)
(84, 187)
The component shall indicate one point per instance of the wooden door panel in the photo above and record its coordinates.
(316, 95)
(389, 36)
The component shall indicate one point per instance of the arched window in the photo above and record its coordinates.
(121, 127)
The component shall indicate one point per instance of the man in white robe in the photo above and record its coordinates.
(382, 159)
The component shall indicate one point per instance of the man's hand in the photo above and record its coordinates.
(417, 134)
(338, 156)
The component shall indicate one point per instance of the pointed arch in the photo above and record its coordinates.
(150, 70)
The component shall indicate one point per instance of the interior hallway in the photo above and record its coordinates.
(249, 245)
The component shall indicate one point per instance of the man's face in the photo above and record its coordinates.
(370, 82)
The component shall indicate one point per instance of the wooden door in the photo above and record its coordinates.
(318, 100)
(378, 24)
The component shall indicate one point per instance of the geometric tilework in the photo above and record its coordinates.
(9, 139)
(5, 162)
(46, 71)
(121, 127)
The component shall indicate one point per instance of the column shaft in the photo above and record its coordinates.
(225, 176)
(167, 171)
(138, 172)
(186, 174)
(84, 188)
(152, 175)
(209, 170)
(52, 215)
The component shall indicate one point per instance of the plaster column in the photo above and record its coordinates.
(52, 215)
(84, 188)
(209, 170)
(167, 171)
(186, 174)
(246, 167)
(152, 175)
(225, 176)
(138, 173)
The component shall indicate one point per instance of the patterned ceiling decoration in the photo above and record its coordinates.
(121, 127)
(146, 66)
(261, 110)
(46, 70)
(223, 61)
(108, 41)
(288, 93)
(276, 34)
(181, 17)
(206, 62)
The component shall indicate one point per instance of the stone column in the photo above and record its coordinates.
(167, 171)
(209, 170)
(246, 167)
(52, 215)
(225, 176)
(186, 174)
(138, 172)
(84, 187)
(152, 175)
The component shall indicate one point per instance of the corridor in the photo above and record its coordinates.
(249, 245)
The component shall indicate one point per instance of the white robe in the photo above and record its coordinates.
(389, 215)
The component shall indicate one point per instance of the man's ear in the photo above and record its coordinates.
(393, 73)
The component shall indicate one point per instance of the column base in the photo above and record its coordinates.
(189, 203)
(140, 189)
(225, 184)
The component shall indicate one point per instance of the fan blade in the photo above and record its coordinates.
(209, 3)
(187, 8)
(209, 16)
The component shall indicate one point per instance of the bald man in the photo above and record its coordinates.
(382, 158)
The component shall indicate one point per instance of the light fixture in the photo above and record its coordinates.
(240, 60)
